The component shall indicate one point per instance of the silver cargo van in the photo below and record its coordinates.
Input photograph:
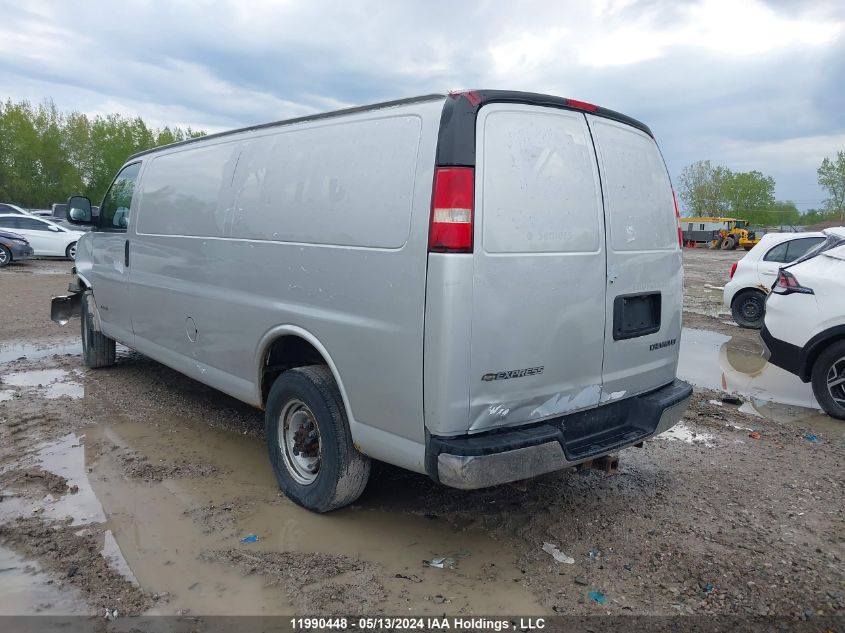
(482, 286)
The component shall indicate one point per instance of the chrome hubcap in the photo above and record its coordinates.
(836, 381)
(72, 251)
(299, 442)
(2, 256)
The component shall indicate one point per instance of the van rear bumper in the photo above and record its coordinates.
(501, 456)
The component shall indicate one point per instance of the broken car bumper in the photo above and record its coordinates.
(501, 456)
(64, 307)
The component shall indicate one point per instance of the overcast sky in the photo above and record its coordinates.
(749, 84)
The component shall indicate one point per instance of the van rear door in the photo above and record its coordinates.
(644, 269)
(538, 315)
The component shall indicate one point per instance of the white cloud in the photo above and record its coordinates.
(739, 81)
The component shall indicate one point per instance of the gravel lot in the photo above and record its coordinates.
(130, 489)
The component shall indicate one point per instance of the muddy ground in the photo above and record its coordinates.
(130, 489)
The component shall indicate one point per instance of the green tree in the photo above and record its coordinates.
(46, 155)
(815, 216)
(748, 193)
(832, 177)
(700, 188)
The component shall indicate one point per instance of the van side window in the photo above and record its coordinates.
(186, 192)
(114, 212)
(797, 248)
(777, 254)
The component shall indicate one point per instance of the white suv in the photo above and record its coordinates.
(805, 321)
(752, 276)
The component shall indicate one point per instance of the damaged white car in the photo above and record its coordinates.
(804, 329)
(752, 277)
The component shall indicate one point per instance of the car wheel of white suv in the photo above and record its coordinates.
(829, 380)
(749, 308)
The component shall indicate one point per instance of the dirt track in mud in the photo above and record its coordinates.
(130, 489)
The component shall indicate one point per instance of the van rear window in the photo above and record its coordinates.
(540, 191)
(637, 191)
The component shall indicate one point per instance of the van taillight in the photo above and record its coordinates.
(581, 105)
(733, 269)
(678, 219)
(451, 210)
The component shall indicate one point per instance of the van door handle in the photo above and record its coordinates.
(126, 254)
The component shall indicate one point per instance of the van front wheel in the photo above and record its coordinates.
(309, 442)
(98, 350)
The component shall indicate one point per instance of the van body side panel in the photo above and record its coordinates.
(644, 258)
(177, 257)
(329, 234)
(538, 317)
(321, 226)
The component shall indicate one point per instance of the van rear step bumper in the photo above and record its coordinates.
(501, 456)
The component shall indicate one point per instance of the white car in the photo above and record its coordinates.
(752, 277)
(45, 237)
(804, 329)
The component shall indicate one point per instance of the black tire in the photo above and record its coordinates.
(749, 309)
(341, 472)
(728, 244)
(98, 350)
(70, 251)
(830, 365)
(5, 256)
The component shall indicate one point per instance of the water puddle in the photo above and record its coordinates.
(112, 553)
(684, 433)
(51, 383)
(15, 350)
(156, 531)
(736, 365)
(28, 591)
(66, 459)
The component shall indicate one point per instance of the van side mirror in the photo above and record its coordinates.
(79, 210)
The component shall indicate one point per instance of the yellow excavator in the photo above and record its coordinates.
(737, 234)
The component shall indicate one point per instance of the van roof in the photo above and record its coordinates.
(457, 130)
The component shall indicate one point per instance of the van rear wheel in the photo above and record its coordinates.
(829, 380)
(98, 350)
(309, 442)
